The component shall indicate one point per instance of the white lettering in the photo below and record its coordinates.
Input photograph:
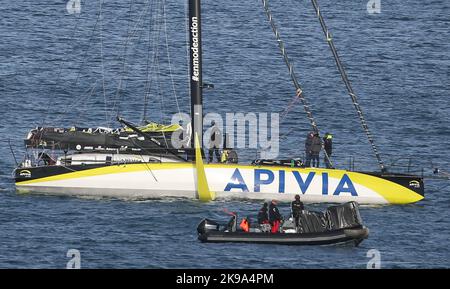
(75, 262)
(194, 49)
(375, 262)
(73, 6)
(374, 6)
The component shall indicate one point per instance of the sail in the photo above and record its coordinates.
(156, 127)
(100, 139)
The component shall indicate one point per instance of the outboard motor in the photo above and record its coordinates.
(207, 225)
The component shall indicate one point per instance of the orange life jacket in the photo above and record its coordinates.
(244, 225)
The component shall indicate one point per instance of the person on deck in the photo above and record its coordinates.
(262, 215)
(297, 207)
(229, 156)
(214, 143)
(328, 146)
(275, 217)
(232, 157)
(308, 147)
(316, 147)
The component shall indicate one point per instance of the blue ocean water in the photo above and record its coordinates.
(51, 71)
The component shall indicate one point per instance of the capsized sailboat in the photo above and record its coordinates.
(134, 163)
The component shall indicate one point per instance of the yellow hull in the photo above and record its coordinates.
(148, 180)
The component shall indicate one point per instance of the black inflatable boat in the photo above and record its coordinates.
(338, 224)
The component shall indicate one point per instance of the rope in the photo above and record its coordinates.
(124, 59)
(87, 49)
(147, 74)
(82, 107)
(123, 74)
(168, 56)
(75, 29)
(154, 71)
(102, 63)
(347, 83)
(299, 92)
(298, 89)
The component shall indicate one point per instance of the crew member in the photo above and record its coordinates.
(262, 215)
(229, 156)
(328, 146)
(308, 147)
(275, 217)
(224, 156)
(232, 157)
(297, 208)
(214, 143)
(316, 147)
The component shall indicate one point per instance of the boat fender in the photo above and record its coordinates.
(360, 233)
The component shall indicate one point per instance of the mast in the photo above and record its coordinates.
(298, 89)
(347, 84)
(195, 47)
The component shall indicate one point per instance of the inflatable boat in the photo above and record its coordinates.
(338, 224)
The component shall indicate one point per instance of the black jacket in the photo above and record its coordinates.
(216, 137)
(274, 214)
(328, 145)
(262, 215)
(297, 207)
(316, 145)
(308, 144)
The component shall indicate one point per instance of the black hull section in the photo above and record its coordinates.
(28, 174)
(356, 235)
(412, 182)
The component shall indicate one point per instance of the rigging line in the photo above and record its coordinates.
(131, 35)
(347, 83)
(157, 71)
(139, 26)
(289, 107)
(58, 76)
(142, 26)
(12, 152)
(147, 71)
(143, 160)
(102, 63)
(87, 100)
(299, 92)
(75, 103)
(155, 50)
(159, 91)
(124, 56)
(38, 158)
(87, 49)
(168, 56)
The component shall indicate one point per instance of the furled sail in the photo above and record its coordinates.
(101, 138)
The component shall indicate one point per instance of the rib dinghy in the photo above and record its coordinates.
(339, 224)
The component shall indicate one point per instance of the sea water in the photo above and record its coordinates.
(52, 72)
